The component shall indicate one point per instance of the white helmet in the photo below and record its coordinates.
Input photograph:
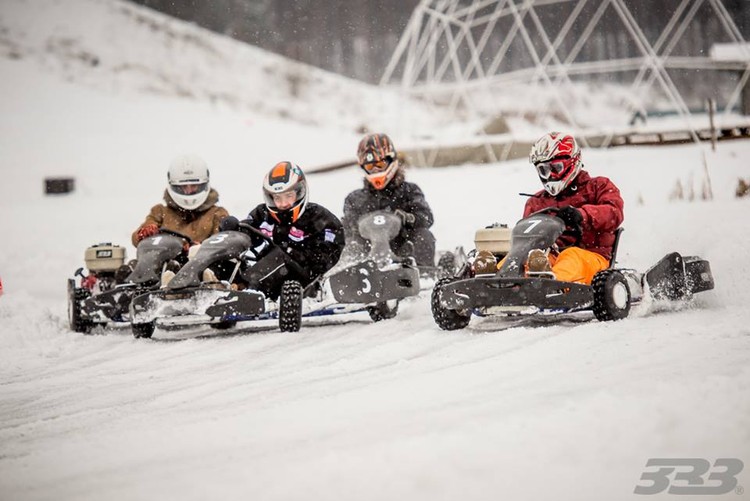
(188, 181)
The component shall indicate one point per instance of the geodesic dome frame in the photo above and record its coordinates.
(455, 52)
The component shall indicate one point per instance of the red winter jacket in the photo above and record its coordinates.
(600, 204)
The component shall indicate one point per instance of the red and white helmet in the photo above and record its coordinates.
(557, 159)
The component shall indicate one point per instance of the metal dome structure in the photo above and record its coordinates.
(481, 58)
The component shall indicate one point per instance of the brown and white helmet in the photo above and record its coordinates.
(376, 155)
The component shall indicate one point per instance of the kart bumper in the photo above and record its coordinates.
(109, 306)
(210, 304)
(510, 295)
(365, 283)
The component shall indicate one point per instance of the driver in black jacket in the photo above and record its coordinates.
(385, 189)
(307, 238)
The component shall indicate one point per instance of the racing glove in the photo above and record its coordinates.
(146, 231)
(571, 216)
(407, 218)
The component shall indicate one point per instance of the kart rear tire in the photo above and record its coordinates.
(383, 311)
(447, 265)
(75, 318)
(290, 306)
(446, 319)
(611, 296)
(145, 330)
(224, 325)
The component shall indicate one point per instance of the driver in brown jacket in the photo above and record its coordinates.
(190, 203)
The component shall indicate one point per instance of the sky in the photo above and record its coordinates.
(345, 409)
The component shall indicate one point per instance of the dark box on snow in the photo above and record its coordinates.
(58, 185)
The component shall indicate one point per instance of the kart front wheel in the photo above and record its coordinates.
(75, 318)
(290, 306)
(447, 319)
(383, 311)
(611, 296)
(224, 325)
(143, 330)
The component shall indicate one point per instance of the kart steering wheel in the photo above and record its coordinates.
(577, 233)
(246, 228)
(177, 234)
(546, 210)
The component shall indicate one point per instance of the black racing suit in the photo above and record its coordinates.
(303, 250)
(398, 194)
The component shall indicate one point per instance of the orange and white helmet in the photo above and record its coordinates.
(557, 159)
(377, 157)
(285, 177)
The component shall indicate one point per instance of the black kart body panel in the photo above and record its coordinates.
(214, 303)
(542, 293)
(676, 277)
(151, 254)
(221, 246)
(538, 231)
(366, 283)
(112, 304)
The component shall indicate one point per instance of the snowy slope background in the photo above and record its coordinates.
(395, 410)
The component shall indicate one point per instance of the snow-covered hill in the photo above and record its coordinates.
(394, 410)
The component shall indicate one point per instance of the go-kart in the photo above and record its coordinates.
(103, 294)
(375, 284)
(612, 292)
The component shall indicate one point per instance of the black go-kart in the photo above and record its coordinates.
(102, 295)
(375, 284)
(509, 292)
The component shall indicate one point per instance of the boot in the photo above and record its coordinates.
(166, 277)
(211, 281)
(537, 264)
(485, 263)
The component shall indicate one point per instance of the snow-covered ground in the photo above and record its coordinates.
(394, 410)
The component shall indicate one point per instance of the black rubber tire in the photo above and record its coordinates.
(448, 320)
(382, 311)
(75, 318)
(224, 325)
(447, 265)
(290, 306)
(143, 330)
(611, 296)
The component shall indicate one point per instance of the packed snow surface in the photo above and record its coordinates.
(355, 410)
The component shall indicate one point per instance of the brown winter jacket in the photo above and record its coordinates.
(198, 224)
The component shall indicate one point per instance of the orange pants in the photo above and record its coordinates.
(577, 265)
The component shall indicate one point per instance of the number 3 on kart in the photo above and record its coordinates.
(366, 281)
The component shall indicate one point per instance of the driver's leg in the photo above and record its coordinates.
(578, 265)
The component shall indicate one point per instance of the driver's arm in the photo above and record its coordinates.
(606, 214)
(420, 208)
(155, 216)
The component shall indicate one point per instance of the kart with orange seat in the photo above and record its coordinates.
(510, 292)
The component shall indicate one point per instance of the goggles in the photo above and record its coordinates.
(552, 168)
(379, 166)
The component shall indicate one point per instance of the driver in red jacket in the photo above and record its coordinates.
(591, 208)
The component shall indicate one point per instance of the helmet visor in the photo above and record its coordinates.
(553, 169)
(189, 189)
